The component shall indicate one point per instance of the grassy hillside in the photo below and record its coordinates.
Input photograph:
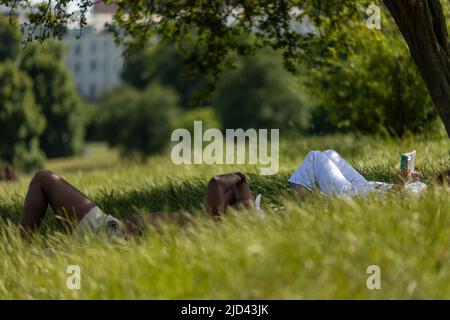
(319, 248)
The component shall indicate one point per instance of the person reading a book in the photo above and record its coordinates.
(330, 174)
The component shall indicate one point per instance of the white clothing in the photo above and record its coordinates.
(96, 221)
(331, 174)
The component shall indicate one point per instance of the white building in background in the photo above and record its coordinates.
(94, 60)
(93, 57)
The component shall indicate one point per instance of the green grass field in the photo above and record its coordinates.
(319, 248)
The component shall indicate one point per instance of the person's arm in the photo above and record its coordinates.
(403, 176)
(228, 181)
(416, 175)
(400, 179)
(221, 191)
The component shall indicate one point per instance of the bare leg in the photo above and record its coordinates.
(301, 191)
(65, 200)
(226, 190)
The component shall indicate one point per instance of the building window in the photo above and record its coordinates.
(93, 91)
(93, 65)
(80, 88)
(78, 49)
(77, 68)
(93, 47)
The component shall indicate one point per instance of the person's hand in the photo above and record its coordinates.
(416, 175)
(402, 177)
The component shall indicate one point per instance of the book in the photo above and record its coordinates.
(407, 160)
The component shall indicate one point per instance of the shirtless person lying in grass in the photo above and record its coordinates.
(82, 215)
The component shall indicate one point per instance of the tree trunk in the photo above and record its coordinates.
(423, 25)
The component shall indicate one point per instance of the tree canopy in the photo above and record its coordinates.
(210, 32)
(11, 37)
(261, 94)
(57, 97)
(375, 88)
(20, 119)
(164, 64)
(138, 123)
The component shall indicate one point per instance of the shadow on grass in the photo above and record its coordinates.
(175, 196)
(171, 196)
(185, 195)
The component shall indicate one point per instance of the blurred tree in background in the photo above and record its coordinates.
(21, 122)
(211, 32)
(361, 80)
(40, 106)
(138, 122)
(260, 93)
(57, 97)
(111, 115)
(162, 63)
(205, 114)
(10, 37)
(375, 87)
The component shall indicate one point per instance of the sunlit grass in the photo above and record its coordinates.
(319, 248)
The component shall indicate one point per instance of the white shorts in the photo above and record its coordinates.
(97, 222)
